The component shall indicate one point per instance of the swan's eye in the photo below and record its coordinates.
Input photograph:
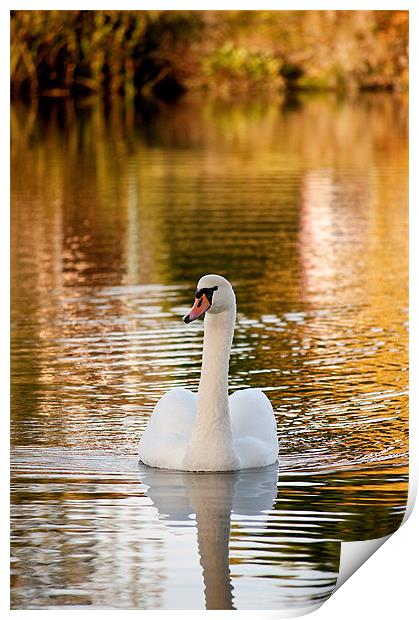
(208, 292)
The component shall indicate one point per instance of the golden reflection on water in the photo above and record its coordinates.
(115, 215)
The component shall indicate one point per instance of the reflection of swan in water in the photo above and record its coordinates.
(212, 497)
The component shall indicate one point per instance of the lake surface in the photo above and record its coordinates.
(116, 213)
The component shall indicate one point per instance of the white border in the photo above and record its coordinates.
(5, 288)
(385, 587)
(231, 5)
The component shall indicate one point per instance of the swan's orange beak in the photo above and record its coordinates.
(200, 306)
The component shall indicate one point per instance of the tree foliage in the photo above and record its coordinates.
(166, 52)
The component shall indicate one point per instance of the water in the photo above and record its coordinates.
(116, 213)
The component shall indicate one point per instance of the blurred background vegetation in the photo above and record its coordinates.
(162, 54)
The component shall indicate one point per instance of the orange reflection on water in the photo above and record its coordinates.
(116, 213)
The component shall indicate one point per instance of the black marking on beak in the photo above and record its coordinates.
(209, 292)
(199, 295)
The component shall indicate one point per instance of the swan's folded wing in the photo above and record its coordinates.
(174, 412)
(252, 415)
(164, 441)
(254, 428)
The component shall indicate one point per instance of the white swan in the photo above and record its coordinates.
(211, 431)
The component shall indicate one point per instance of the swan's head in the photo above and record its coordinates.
(213, 294)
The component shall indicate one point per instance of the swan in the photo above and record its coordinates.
(211, 431)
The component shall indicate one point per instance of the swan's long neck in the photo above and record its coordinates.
(211, 439)
(213, 385)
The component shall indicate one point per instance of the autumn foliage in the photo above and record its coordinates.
(162, 53)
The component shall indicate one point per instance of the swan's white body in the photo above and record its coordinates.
(211, 431)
